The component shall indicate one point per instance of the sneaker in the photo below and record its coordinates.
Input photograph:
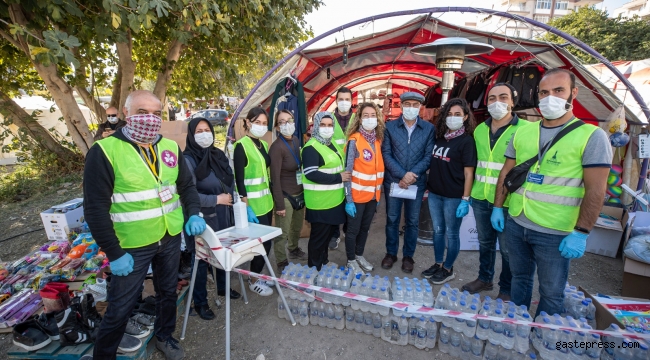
(98, 289)
(260, 288)
(364, 264)
(89, 315)
(269, 283)
(144, 319)
(86, 357)
(129, 344)
(353, 267)
(171, 348)
(29, 336)
(298, 254)
(136, 330)
(428, 273)
(442, 276)
(71, 330)
(334, 243)
(47, 322)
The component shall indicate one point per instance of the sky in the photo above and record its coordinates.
(340, 12)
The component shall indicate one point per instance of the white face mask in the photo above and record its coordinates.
(287, 129)
(454, 122)
(553, 107)
(326, 132)
(498, 110)
(344, 106)
(258, 130)
(411, 113)
(112, 119)
(204, 139)
(369, 124)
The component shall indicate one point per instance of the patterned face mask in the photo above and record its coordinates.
(143, 128)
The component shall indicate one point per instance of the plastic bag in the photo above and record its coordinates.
(638, 248)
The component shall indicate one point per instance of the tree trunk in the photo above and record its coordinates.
(86, 96)
(60, 90)
(117, 83)
(125, 54)
(165, 75)
(19, 117)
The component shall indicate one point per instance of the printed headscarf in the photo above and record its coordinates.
(315, 133)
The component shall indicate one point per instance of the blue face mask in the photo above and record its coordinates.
(410, 113)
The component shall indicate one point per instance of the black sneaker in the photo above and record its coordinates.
(71, 330)
(171, 348)
(89, 315)
(428, 273)
(334, 243)
(442, 276)
(47, 322)
(129, 344)
(29, 336)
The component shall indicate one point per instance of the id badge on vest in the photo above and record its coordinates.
(164, 193)
(299, 177)
(535, 178)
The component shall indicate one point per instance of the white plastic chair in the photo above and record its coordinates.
(210, 250)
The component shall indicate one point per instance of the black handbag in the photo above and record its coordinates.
(297, 202)
(517, 176)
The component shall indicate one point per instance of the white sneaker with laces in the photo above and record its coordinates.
(354, 267)
(269, 283)
(260, 288)
(98, 289)
(364, 264)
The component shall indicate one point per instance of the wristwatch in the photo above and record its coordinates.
(466, 198)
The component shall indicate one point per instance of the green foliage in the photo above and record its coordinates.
(615, 38)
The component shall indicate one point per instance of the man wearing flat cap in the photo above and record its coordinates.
(406, 149)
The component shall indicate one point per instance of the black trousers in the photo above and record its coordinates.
(319, 239)
(257, 264)
(358, 228)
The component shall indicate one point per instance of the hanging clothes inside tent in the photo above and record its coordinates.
(290, 95)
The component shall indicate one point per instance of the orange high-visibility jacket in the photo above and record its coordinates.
(368, 170)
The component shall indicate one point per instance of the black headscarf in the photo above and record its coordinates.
(209, 158)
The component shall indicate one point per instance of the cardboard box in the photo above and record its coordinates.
(636, 279)
(606, 235)
(604, 318)
(175, 130)
(58, 225)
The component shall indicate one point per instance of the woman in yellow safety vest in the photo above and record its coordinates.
(363, 191)
(323, 178)
(251, 162)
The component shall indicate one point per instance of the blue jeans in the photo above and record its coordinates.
(125, 291)
(487, 239)
(531, 249)
(445, 223)
(411, 218)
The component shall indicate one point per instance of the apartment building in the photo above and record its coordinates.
(640, 8)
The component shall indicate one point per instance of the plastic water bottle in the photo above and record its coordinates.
(398, 296)
(441, 303)
(408, 295)
(418, 299)
(608, 352)
(329, 313)
(443, 339)
(329, 282)
(339, 320)
(458, 324)
(303, 310)
(465, 346)
(403, 327)
(349, 319)
(483, 329)
(336, 285)
(413, 331)
(367, 323)
(313, 313)
(491, 351)
(470, 325)
(376, 325)
(293, 306)
(593, 352)
(578, 352)
(322, 318)
(496, 334)
(374, 292)
(358, 321)
(591, 313)
(477, 348)
(383, 294)
(428, 297)
(625, 351)
(345, 286)
(523, 333)
(364, 291)
(509, 333)
(454, 344)
(451, 305)
(432, 333)
(386, 328)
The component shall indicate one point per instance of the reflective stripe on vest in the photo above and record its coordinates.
(139, 217)
(367, 170)
(555, 203)
(339, 133)
(256, 178)
(491, 160)
(324, 196)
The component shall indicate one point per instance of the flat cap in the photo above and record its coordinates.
(411, 95)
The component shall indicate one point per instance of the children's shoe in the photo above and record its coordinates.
(29, 336)
(71, 330)
(47, 322)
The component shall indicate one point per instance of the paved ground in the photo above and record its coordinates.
(256, 328)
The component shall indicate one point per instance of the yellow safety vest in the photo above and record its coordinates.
(555, 203)
(339, 137)
(256, 177)
(139, 216)
(320, 196)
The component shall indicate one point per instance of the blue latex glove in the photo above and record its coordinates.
(497, 219)
(195, 225)
(251, 215)
(122, 266)
(462, 209)
(573, 245)
(351, 209)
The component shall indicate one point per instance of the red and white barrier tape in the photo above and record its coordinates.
(423, 310)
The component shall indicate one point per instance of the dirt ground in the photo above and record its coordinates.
(256, 328)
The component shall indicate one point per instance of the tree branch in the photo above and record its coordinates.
(11, 40)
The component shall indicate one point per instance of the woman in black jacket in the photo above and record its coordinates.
(214, 182)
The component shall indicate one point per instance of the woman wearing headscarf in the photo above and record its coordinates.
(214, 182)
(251, 161)
(323, 178)
(365, 162)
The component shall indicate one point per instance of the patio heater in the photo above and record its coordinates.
(450, 55)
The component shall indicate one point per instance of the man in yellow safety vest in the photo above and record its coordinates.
(134, 184)
(552, 213)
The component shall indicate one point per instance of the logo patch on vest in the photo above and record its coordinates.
(169, 159)
(553, 160)
(367, 155)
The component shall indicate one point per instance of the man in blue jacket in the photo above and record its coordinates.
(407, 147)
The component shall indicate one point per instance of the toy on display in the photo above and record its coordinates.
(614, 182)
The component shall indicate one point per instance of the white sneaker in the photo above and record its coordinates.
(98, 289)
(354, 267)
(260, 288)
(364, 264)
(269, 283)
